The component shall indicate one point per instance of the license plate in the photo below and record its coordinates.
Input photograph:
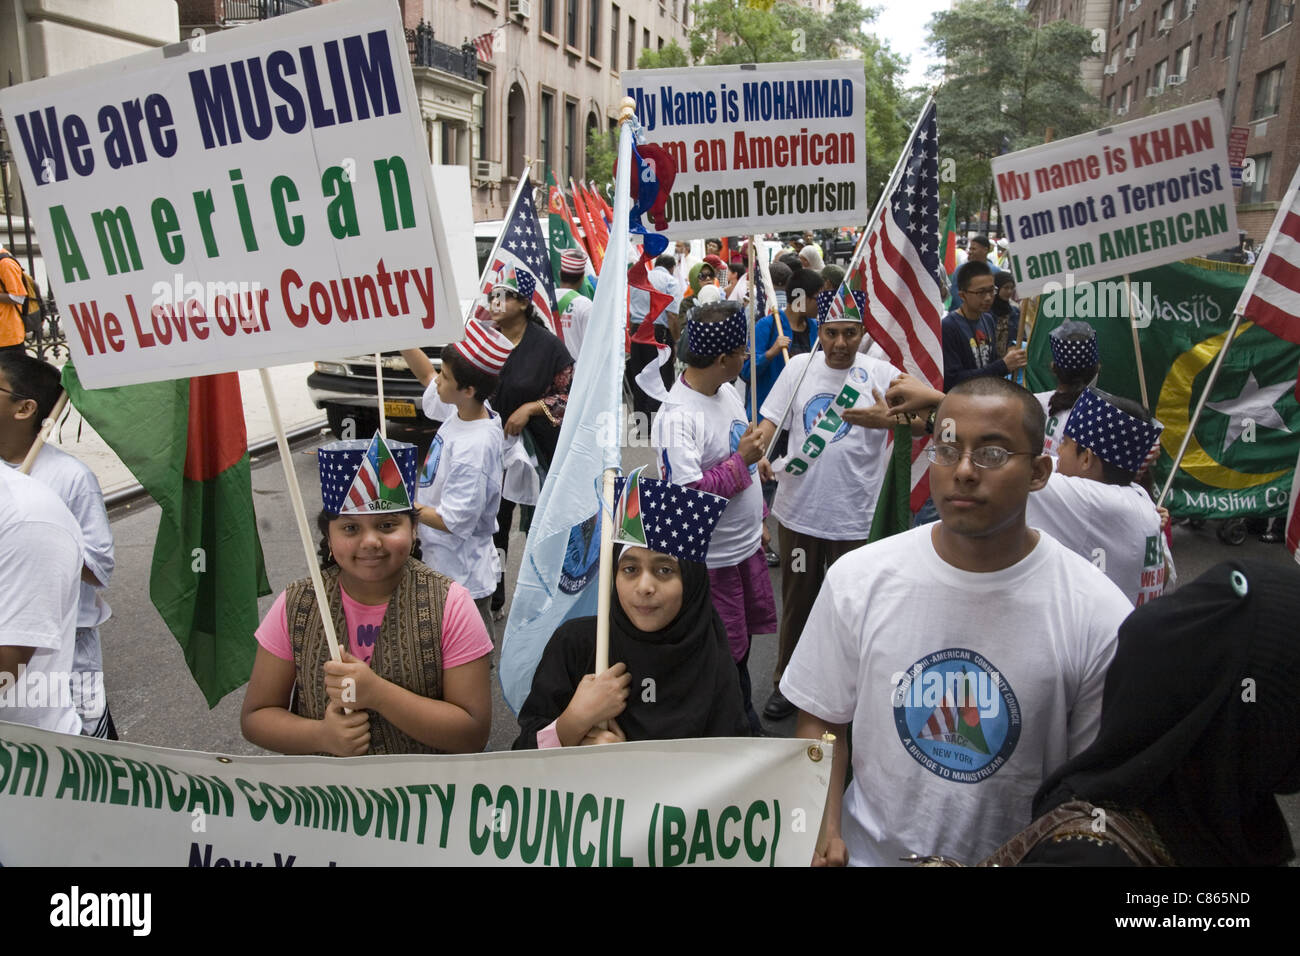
(395, 409)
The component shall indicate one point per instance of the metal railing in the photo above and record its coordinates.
(426, 51)
(237, 11)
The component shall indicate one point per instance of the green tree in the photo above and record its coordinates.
(602, 150)
(670, 56)
(761, 31)
(1005, 85)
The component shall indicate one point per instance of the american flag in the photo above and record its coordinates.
(487, 43)
(522, 246)
(1271, 300)
(899, 270)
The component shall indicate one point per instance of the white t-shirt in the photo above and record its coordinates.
(461, 478)
(691, 434)
(573, 321)
(40, 574)
(1116, 527)
(894, 634)
(835, 498)
(1055, 427)
(78, 488)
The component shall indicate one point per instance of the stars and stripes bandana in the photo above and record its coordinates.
(717, 338)
(361, 477)
(1111, 434)
(664, 517)
(1074, 346)
(484, 347)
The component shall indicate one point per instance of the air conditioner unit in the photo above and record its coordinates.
(1122, 111)
(523, 9)
(1166, 24)
(1111, 69)
(1191, 7)
(1154, 90)
(1130, 53)
(486, 170)
(1175, 79)
(1134, 5)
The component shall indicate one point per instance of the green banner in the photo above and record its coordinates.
(1241, 459)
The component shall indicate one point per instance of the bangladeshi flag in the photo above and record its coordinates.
(184, 440)
(563, 233)
(948, 249)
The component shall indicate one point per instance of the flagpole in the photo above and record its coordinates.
(853, 262)
(769, 290)
(753, 347)
(300, 513)
(43, 435)
(496, 245)
(605, 521)
(379, 382)
(1230, 335)
(1137, 345)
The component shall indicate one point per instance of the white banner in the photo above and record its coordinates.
(250, 197)
(68, 800)
(1119, 199)
(775, 146)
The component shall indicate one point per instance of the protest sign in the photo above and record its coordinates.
(1127, 197)
(757, 147)
(248, 198)
(69, 800)
(1240, 460)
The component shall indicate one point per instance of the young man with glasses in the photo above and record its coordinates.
(969, 331)
(968, 655)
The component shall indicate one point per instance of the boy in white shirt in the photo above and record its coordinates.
(969, 655)
(459, 488)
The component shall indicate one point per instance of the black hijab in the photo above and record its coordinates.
(695, 690)
(1200, 720)
(527, 374)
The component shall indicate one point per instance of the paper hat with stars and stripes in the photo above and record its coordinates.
(519, 281)
(842, 305)
(1110, 433)
(1074, 346)
(718, 337)
(363, 477)
(483, 347)
(664, 517)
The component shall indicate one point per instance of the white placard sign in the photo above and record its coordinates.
(1119, 199)
(248, 198)
(70, 800)
(774, 146)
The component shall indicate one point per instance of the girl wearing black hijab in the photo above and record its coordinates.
(672, 675)
(1200, 728)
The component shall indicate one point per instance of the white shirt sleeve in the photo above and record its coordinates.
(821, 678)
(779, 396)
(678, 453)
(40, 565)
(87, 506)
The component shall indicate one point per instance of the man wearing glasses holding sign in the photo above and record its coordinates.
(968, 655)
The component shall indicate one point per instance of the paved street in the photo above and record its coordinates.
(155, 701)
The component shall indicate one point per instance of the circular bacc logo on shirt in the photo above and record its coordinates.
(956, 715)
(430, 469)
(816, 405)
(858, 375)
(581, 557)
(737, 430)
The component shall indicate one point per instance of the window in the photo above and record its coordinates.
(1182, 60)
(1189, 7)
(645, 39)
(547, 132)
(1161, 71)
(1126, 96)
(631, 43)
(1227, 35)
(613, 38)
(1110, 103)
(1268, 92)
(1257, 191)
(1196, 51)
(570, 139)
(1278, 15)
(1167, 11)
(548, 16)
(1132, 44)
(571, 24)
(593, 31)
(661, 44)
(480, 112)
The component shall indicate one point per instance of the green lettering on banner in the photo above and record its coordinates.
(394, 190)
(360, 821)
(70, 779)
(530, 848)
(674, 836)
(70, 257)
(478, 839)
(116, 794)
(557, 828)
(701, 839)
(256, 807)
(506, 811)
(755, 850)
(587, 807)
(283, 192)
(341, 212)
(728, 848)
(175, 798)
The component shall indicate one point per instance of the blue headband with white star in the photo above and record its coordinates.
(716, 338)
(1110, 433)
(1074, 346)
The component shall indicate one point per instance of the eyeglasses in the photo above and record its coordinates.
(989, 291)
(986, 456)
(21, 398)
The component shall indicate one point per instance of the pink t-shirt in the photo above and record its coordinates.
(464, 637)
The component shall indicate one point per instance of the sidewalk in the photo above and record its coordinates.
(296, 408)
